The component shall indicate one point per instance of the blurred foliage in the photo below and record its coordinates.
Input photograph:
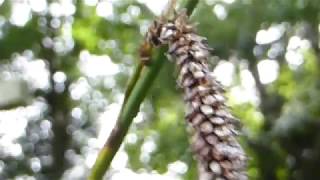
(61, 117)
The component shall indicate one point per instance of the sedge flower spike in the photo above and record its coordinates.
(214, 143)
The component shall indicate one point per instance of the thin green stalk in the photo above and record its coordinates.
(137, 90)
(190, 6)
(132, 82)
(130, 110)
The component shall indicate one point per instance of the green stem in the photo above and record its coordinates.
(137, 89)
(130, 110)
(190, 6)
(132, 82)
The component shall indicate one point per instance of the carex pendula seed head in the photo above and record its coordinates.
(214, 143)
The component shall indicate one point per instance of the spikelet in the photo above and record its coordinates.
(219, 155)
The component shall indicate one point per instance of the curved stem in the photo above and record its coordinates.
(129, 111)
(137, 89)
(132, 82)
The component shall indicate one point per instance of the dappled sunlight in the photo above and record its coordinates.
(294, 59)
(95, 66)
(105, 9)
(21, 13)
(79, 89)
(120, 160)
(220, 11)
(224, 72)
(22, 10)
(59, 79)
(273, 33)
(178, 167)
(268, 70)
(131, 138)
(39, 6)
(295, 49)
(65, 65)
(34, 71)
(211, 2)
(155, 6)
(147, 148)
(62, 8)
(13, 124)
(246, 91)
(91, 2)
(106, 122)
(275, 50)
